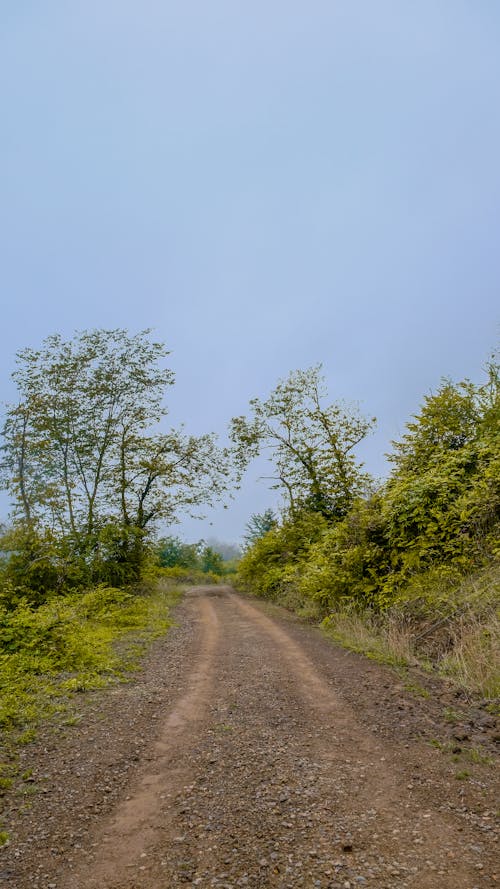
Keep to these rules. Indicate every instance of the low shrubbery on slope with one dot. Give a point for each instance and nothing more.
(69, 644)
(413, 565)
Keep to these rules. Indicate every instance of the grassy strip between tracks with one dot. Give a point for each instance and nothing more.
(70, 645)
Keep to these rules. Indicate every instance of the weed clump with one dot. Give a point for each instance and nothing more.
(69, 645)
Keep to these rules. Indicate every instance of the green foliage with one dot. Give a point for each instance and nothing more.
(230, 552)
(422, 551)
(272, 565)
(442, 502)
(68, 645)
(191, 576)
(88, 470)
(350, 559)
(192, 559)
(171, 552)
(439, 510)
(258, 525)
(310, 444)
(211, 561)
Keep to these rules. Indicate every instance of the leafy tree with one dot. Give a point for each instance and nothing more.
(448, 421)
(77, 399)
(258, 525)
(230, 552)
(350, 560)
(173, 553)
(311, 444)
(272, 565)
(211, 562)
(83, 457)
(436, 518)
(443, 497)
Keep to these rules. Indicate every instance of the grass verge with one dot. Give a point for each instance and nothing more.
(469, 656)
(71, 645)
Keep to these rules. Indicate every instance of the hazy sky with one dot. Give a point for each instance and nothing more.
(267, 184)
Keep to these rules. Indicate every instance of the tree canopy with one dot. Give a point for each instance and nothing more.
(85, 456)
(310, 444)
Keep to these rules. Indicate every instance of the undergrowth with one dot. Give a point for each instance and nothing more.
(187, 575)
(71, 644)
(455, 632)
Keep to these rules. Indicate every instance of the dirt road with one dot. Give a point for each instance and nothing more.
(252, 752)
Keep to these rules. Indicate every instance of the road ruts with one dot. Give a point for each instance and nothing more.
(263, 776)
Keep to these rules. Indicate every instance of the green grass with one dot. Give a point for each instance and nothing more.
(479, 756)
(71, 645)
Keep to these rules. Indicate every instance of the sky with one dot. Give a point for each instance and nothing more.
(267, 185)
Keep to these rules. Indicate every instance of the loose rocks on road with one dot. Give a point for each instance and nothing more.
(250, 752)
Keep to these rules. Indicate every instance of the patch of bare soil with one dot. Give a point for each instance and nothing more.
(252, 752)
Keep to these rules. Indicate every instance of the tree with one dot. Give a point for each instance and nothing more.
(448, 421)
(83, 456)
(174, 553)
(311, 444)
(211, 561)
(442, 500)
(258, 525)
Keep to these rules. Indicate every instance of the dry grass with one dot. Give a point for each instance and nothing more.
(466, 649)
(389, 642)
(474, 659)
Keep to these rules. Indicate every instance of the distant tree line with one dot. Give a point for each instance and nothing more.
(172, 552)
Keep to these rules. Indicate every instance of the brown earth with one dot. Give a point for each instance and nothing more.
(252, 752)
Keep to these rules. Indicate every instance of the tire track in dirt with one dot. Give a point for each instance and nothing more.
(262, 776)
(136, 820)
(381, 786)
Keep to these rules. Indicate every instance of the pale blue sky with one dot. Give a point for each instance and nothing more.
(268, 185)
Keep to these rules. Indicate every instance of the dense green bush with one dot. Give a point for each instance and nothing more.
(67, 644)
(435, 520)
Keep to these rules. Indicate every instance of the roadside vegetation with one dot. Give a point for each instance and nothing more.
(195, 563)
(69, 645)
(407, 570)
(91, 472)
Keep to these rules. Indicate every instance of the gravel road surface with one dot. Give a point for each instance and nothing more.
(251, 752)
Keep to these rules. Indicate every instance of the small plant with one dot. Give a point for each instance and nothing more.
(26, 737)
(479, 756)
(4, 837)
(416, 689)
(463, 775)
(75, 719)
(443, 746)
